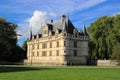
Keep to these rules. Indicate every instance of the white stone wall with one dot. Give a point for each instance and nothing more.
(66, 53)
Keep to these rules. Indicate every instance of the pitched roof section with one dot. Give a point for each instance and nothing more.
(63, 25)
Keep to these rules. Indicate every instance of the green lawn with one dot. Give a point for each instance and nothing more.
(59, 73)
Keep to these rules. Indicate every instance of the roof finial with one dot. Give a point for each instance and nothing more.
(84, 21)
(31, 33)
(84, 27)
(85, 30)
(68, 14)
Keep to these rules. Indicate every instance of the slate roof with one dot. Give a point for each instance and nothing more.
(64, 24)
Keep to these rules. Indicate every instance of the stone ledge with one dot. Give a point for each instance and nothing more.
(107, 63)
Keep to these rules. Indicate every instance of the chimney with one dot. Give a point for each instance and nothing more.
(51, 21)
(63, 18)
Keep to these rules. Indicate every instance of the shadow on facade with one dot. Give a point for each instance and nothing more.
(92, 62)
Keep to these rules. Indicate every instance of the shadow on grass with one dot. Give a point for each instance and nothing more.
(4, 69)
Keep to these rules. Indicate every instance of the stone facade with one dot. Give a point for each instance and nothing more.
(58, 43)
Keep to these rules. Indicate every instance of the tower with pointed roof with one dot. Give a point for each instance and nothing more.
(58, 43)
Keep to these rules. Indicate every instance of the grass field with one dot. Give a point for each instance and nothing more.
(59, 73)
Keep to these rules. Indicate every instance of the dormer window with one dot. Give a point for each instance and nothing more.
(45, 31)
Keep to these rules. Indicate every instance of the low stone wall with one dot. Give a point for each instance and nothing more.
(107, 63)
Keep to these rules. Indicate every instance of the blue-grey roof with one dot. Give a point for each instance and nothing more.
(64, 24)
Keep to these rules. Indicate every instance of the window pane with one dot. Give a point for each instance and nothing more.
(50, 53)
(57, 44)
(50, 45)
(75, 43)
(64, 43)
(75, 52)
(37, 53)
(57, 53)
(44, 53)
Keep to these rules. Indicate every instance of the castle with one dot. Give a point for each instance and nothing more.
(58, 43)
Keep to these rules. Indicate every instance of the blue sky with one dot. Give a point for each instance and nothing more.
(35, 13)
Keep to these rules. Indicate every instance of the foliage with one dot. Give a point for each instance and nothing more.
(116, 52)
(61, 73)
(8, 41)
(104, 34)
(24, 47)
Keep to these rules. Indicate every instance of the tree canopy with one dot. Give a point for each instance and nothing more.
(9, 50)
(104, 35)
(116, 52)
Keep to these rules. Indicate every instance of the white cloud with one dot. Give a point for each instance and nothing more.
(50, 8)
(114, 14)
(39, 19)
(118, 13)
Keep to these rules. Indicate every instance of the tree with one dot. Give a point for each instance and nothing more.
(24, 47)
(8, 38)
(116, 52)
(104, 34)
(9, 50)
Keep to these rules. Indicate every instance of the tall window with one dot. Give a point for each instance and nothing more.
(50, 45)
(38, 46)
(33, 54)
(57, 44)
(57, 53)
(50, 54)
(44, 53)
(37, 54)
(75, 43)
(75, 53)
(44, 45)
(64, 43)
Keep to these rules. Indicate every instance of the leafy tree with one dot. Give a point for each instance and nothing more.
(116, 52)
(8, 38)
(9, 50)
(24, 47)
(104, 34)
